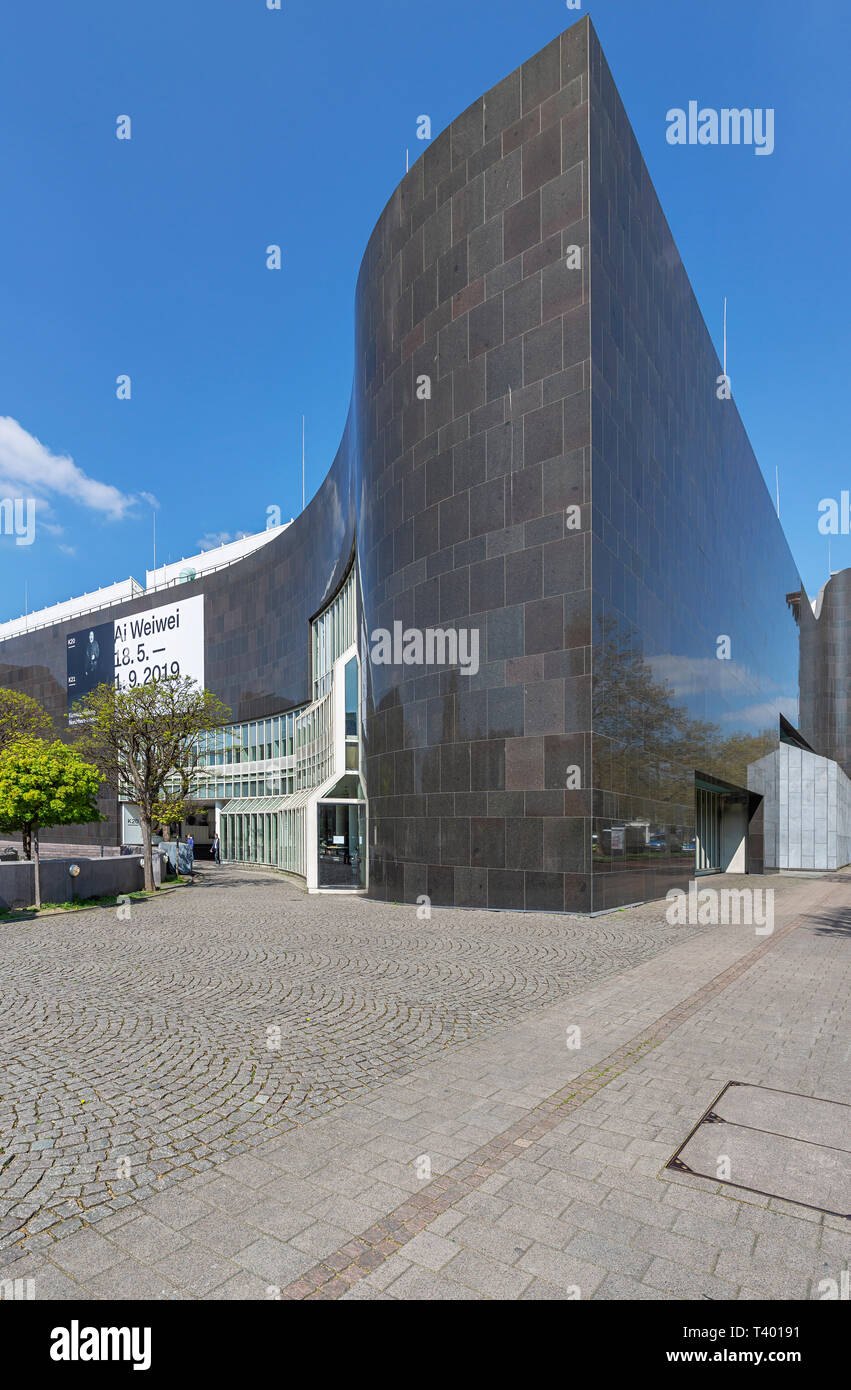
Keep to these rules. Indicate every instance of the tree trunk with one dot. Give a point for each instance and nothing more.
(26, 840)
(36, 874)
(147, 855)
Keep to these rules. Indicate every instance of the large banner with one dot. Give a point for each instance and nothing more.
(138, 650)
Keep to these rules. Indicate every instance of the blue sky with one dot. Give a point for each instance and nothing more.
(252, 127)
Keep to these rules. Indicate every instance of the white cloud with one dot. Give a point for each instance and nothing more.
(46, 518)
(214, 539)
(764, 714)
(691, 675)
(695, 675)
(29, 469)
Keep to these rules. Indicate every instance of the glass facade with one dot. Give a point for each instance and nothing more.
(315, 742)
(341, 837)
(302, 754)
(253, 759)
(334, 631)
(266, 830)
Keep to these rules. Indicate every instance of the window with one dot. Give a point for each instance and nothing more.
(352, 698)
(333, 632)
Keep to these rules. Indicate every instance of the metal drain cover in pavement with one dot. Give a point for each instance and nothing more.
(775, 1143)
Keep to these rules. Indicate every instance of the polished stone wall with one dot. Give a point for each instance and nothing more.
(256, 624)
(464, 515)
(689, 560)
(461, 502)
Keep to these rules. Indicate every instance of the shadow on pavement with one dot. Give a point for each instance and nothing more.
(836, 923)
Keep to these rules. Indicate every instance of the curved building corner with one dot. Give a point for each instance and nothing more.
(481, 667)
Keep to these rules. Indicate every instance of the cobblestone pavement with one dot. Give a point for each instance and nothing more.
(507, 1166)
(134, 1054)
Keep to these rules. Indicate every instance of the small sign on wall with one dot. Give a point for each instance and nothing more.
(131, 827)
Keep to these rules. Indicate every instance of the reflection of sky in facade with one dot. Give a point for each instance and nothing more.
(724, 690)
(689, 561)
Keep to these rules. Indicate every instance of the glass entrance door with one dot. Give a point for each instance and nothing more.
(341, 842)
(708, 831)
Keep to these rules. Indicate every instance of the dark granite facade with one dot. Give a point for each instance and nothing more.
(464, 521)
(826, 670)
(687, 548)
(256, 626)
(487, 364)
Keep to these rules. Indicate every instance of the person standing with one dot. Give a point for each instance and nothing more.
(217, 849)
(92, 655)
(190, 845)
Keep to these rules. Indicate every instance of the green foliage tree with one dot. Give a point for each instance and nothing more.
(144, 741)
(21, 717)
(45, 784)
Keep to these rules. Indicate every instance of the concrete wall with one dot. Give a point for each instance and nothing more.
(807, 806)
(98, 878)
(763, 777)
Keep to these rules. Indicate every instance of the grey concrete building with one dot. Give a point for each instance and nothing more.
(807, 809)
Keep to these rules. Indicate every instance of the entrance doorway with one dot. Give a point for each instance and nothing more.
(707, 831)
(728, 830)
(341, 841)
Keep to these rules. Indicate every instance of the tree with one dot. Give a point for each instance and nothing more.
(647, 744)
(45, 784)
(144, 740)
(21, 717)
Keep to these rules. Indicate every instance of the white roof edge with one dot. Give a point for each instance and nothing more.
(126, 589)
(219, 556)
(119, 592)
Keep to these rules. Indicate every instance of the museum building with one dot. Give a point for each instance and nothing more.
(535, 643)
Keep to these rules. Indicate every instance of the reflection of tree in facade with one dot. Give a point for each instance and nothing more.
(652, 746)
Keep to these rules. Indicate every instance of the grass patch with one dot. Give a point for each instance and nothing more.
(26, 914)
